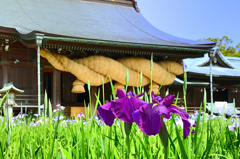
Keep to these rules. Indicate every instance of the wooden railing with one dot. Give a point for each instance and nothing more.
(179, 102)
(26, 99)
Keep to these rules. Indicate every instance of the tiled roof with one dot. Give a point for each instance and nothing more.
(227, 67)
(87, 20)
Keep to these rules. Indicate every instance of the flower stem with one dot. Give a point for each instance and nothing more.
(128, 144)
(127, 129)
(165, 152)
(163, 134)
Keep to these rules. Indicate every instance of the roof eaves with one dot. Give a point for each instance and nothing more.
(124, 44)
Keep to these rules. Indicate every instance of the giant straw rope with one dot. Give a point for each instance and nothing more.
(97, 68)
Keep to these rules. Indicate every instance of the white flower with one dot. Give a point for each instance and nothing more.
(55, 110)
(191, 121)
(62, 107)
(42, 106)
(80, 115)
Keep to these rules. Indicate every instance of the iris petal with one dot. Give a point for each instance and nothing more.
(153, 96)
(105, 113)
(136, 116)
(140, 95)
(184, 113)
(149, 118)
(137, 103)
(186, 123)
(123, 109)
(120, 93)
(167, 101)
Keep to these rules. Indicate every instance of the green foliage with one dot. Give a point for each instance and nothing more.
(224, 46)
(91, 139)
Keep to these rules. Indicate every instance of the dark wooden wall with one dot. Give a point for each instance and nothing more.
(18, 65)
(234, 95)
(194, 95)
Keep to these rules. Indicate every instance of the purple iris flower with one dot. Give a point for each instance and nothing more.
(122, 108)
(37, 115)
(149, 117)
(81, 115)
(42, 106)
(235, 116)
(233, 126)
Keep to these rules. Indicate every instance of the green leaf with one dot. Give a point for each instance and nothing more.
(151, 67)
(45, 106)
(113, 92)
(164, 80)
(143, 146)
(195, 148)
(90, 100)
(103, 94)
(180, 142)
(1, 152)
(127, 80)
(176, 99)
(224, 45)
(3, 98)
(173, 146)
(50, 110)
(66, 153)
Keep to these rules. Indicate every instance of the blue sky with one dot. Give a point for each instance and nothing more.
(194, 19)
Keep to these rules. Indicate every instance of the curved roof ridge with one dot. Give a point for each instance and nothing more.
(220, 56)
(206, 60)
(225, 60)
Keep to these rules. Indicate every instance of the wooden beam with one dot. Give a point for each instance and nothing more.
(56, 87)
(17, 64)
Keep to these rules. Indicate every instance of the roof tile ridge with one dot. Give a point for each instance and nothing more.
(221, 56)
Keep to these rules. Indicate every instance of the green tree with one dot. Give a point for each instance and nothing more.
(224, 46)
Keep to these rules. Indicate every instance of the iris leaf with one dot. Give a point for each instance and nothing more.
(113, 92)
(143, 146)
(180, 141)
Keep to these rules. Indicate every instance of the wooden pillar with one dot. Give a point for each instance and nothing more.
(163, 91)
(4, 68)
(56, 87)
(130, 88)
(194, 90)
(93, 97)
(230, 98)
